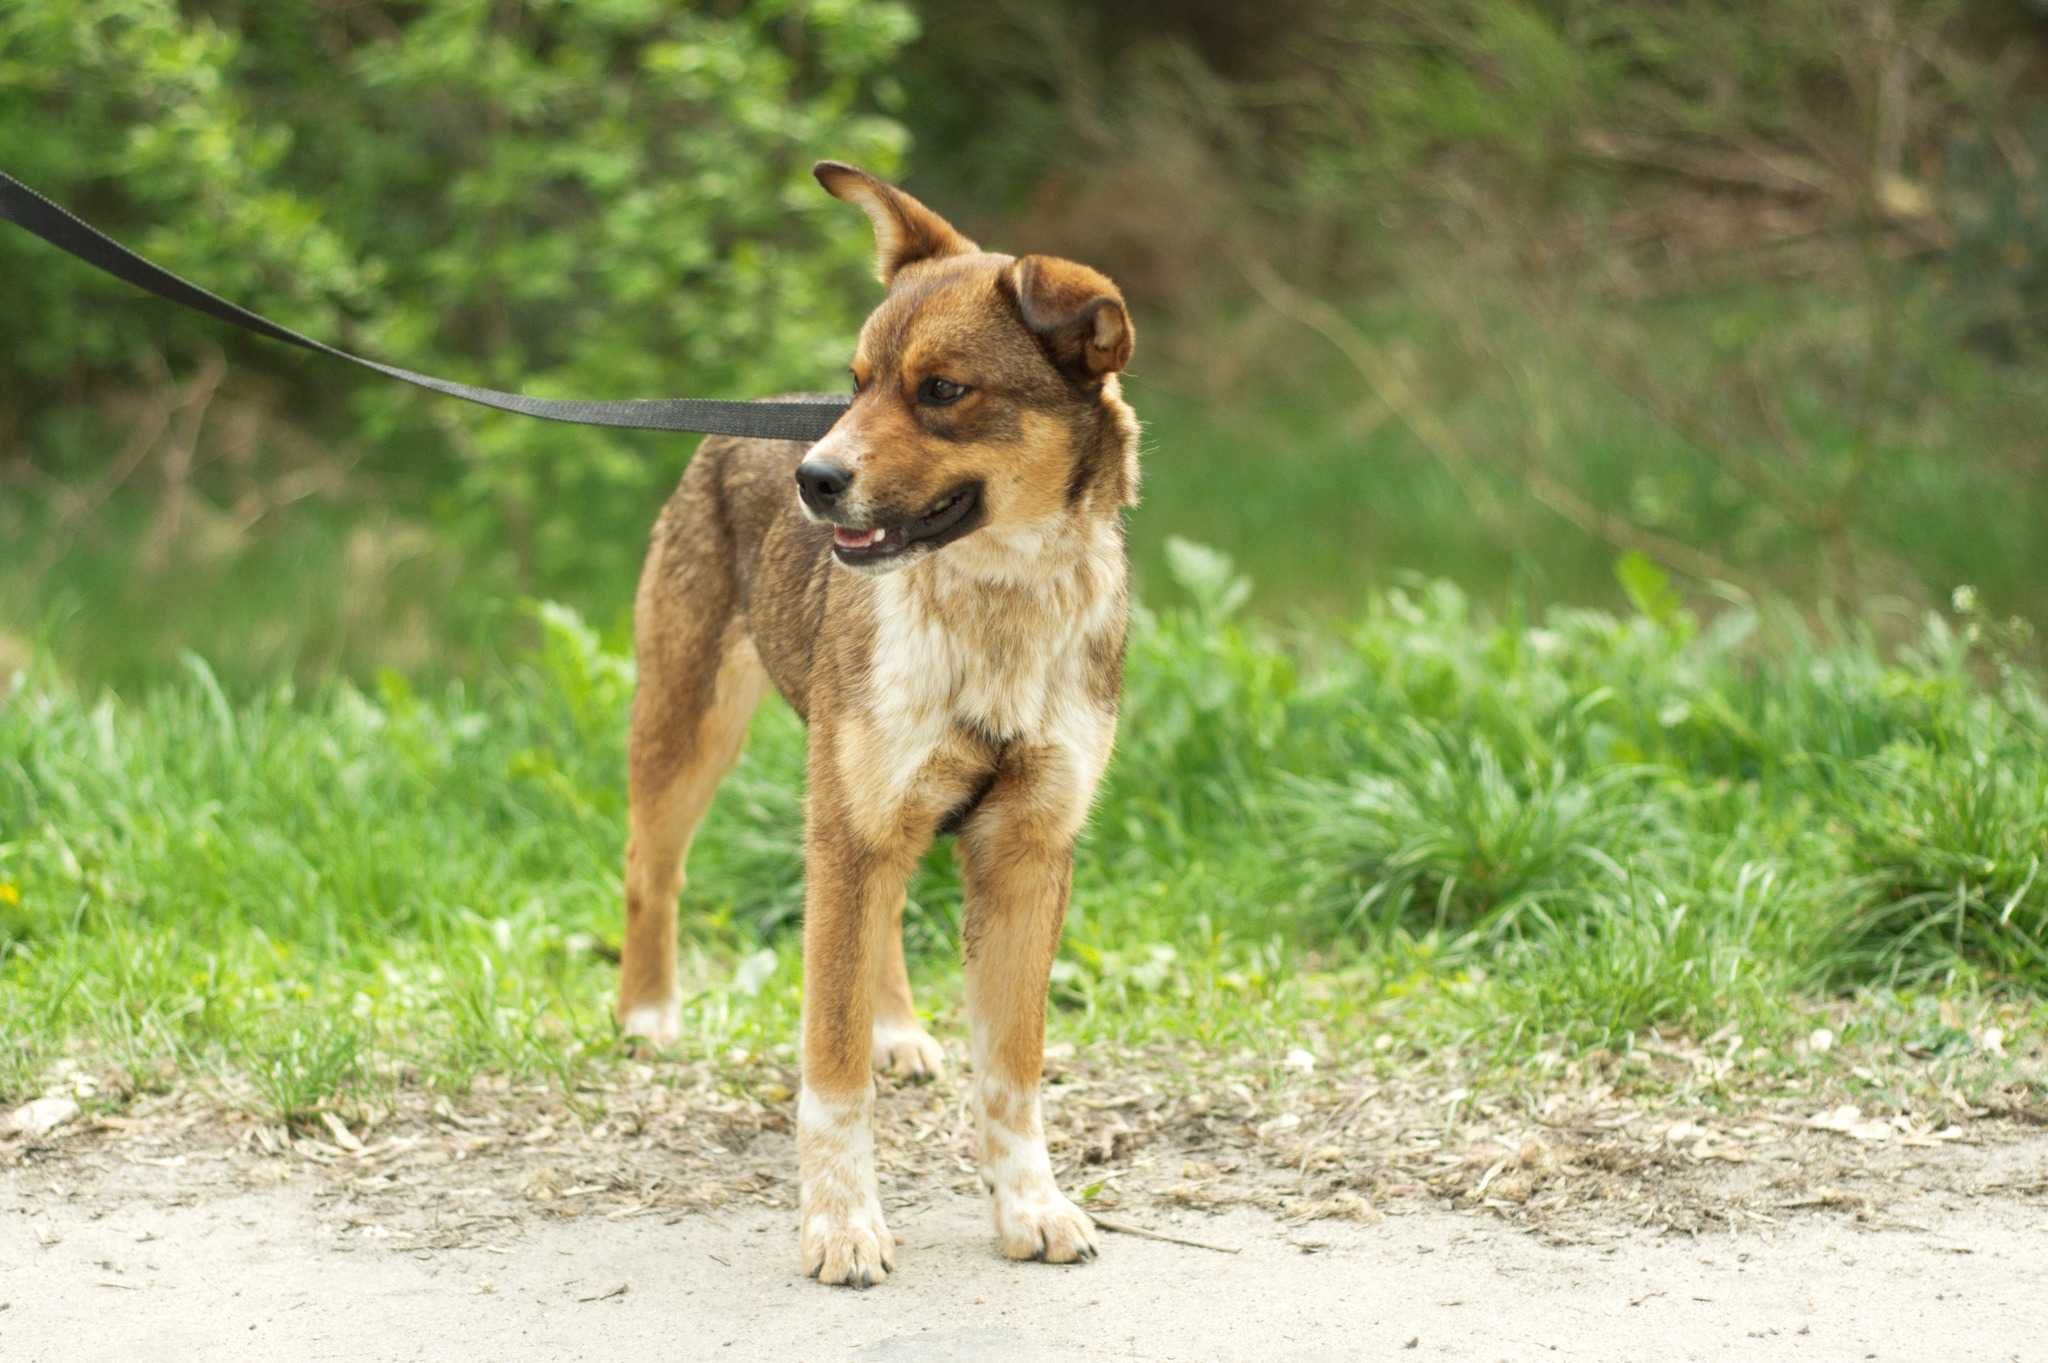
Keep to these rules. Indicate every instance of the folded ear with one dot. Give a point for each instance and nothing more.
(1077, 314)
(905, 230)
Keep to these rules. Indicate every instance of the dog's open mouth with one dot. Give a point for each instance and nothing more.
(951, 517)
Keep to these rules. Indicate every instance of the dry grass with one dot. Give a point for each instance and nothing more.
(1678, 1139)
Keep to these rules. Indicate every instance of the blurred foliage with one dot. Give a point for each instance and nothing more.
(572, 199)
(1754, 292)
(1999, 187)
(1316, 131)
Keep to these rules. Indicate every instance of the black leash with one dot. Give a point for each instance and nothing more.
(783, 419)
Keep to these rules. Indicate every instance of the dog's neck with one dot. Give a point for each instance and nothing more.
(1004, 644)
(1006, 652)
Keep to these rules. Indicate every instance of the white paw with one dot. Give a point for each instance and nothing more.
(853, 1250)
(843, 1237)
(907, 1052)
(656, 1025)
(1043, 1225)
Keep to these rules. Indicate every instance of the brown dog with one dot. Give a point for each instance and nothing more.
(938, 587)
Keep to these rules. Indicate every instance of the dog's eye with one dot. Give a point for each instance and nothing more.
(938, 392)
(855, 376)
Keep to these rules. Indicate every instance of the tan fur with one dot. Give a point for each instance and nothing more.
(965, 683)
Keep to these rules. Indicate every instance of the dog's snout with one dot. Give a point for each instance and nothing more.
(821, 483)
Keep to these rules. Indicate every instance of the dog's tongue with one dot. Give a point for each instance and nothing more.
(856, 539)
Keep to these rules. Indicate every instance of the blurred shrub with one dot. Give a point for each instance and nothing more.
(1318, 132)
(571, 199)
(1998, 190)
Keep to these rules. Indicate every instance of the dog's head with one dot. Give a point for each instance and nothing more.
(985, 393)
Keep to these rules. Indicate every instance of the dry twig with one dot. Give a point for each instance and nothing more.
(1142, 1233)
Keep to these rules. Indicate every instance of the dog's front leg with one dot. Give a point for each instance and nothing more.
(1017, 884)
(849, 891)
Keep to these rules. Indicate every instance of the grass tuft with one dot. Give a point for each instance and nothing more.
(1529, 834)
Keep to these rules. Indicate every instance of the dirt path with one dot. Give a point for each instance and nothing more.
(1342, 1213)
(266, 1274)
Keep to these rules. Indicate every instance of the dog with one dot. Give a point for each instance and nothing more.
(939, 586)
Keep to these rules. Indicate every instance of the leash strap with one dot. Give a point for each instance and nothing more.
(781, 419)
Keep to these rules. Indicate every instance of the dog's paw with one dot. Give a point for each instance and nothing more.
(907, 1052)
(652, 1027)
(855, 1251)
(1044, 1225)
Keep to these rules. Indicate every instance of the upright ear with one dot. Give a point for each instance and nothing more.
(905, 230)
(1076, 313)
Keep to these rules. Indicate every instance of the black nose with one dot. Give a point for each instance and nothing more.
(821, 483)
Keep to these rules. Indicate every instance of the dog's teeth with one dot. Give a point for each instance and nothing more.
(858, 539)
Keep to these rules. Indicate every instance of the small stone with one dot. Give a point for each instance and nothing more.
(42, 1116)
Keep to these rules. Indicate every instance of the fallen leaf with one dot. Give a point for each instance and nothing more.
(343, 1137)
(1848, 1120)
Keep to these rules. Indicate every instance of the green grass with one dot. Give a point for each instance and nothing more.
(1514, 835)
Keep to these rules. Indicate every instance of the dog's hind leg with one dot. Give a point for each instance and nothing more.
(900, 1045)
(699, 682)
(681, 748)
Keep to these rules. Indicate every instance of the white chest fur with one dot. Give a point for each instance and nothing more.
(998, 640)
